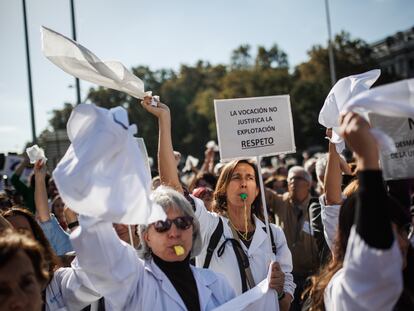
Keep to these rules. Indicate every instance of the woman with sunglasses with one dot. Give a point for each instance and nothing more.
(159, 277)
(241, 250)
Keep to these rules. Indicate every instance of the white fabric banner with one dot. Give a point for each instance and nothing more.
(103, 173)
(257, 126)
(79, 62)
(345, 89)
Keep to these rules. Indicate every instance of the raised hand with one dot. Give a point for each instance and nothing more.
(158, 111)
(356, 132)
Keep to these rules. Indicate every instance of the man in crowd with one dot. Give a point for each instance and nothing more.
(298, 214)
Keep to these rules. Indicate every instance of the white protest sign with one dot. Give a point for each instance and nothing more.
(399, 164)
(10, 164)
(257, 126)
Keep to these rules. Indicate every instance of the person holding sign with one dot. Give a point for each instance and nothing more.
(234, 244)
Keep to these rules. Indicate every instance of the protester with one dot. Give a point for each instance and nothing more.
(205, 194)
(162, 278)
(54, 232)
(22, 220)
(298, 213)
(356, 277)
(27, 192)
(242, 238)
(22, 272)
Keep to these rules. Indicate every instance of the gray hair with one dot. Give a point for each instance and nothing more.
(168, 198)
(299, 171)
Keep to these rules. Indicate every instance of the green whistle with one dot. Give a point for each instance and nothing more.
(243, 196)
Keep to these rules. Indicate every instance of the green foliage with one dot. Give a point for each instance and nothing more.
(191, 91)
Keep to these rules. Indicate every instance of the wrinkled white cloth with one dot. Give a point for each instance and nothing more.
(257, 298)
(392, 100)
(190, 162)
(345, 89)
(103, 173)
(36, 153)
(79, 62)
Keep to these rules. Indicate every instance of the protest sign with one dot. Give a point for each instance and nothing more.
(398, 164)
(10, 164)
(257, 126)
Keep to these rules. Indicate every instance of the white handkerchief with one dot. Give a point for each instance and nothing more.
(36, 153)
(103, 173)
(79, 62)
(190, 162)
(340, 93)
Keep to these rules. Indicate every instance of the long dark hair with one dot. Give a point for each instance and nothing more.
(319, 282)
(220, 195)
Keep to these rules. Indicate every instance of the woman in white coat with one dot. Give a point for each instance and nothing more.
(243, 241)
(369, 251)
(161, 278)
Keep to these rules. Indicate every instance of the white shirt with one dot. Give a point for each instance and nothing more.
(370, 279)
(227, 263)
(330, 216)
(130, 283)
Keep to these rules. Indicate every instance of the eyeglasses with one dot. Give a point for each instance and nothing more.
(182, 223)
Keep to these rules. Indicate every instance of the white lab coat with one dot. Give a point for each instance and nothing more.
(370, 279)
(130, 283)
(69, 290)
(257, 252)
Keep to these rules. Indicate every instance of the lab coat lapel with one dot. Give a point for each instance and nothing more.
(203, 281)
(259, 236)
(166, 284)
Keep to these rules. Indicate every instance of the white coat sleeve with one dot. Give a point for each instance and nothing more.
(284, 258)
(330, 216)
(371, 279)
(112, 266)
(208, 221)
(70, 288)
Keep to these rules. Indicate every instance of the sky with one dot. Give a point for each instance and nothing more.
(165, 34)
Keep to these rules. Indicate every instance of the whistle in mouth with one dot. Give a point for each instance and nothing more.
(179, 250)
(243, 196)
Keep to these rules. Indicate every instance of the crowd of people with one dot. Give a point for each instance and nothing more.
(341, 238)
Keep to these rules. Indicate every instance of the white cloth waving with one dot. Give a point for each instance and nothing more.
(103, 173)
(345, 89)
(78, 61)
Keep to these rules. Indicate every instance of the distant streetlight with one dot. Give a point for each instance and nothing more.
(72, 9)
(29, 74)
(330, 47)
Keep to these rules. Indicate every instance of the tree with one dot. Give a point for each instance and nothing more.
(241, 58)
(60, 117)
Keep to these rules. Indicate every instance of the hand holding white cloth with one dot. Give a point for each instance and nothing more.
(345, 89)
(78, 61)
(103, 174)
(36, 153)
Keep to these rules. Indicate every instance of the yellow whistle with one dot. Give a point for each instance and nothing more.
(179, 250)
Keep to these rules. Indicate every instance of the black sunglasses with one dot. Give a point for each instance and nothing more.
(182, 223)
